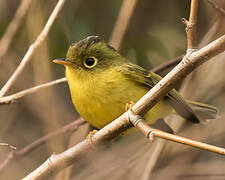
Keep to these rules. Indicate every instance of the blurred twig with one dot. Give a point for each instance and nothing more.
(218, 8)
(7, 160)
(13, 27)
(122, 22)
(12, 98)
(191, 61)
(150, 133)
(8, 145)
(71, 127)
(167, 65)
(32, 48)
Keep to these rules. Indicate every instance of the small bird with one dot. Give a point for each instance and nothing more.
(102, 82)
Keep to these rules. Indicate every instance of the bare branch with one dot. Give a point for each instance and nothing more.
(122, 22)
(12, 98)
(8, 159)
(191, 61)
(13, 27)
(69, 127)
(32, 48)
(150, 133)
(16, 154)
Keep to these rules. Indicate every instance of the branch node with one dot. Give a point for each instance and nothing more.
(150, 135)
(133, 118)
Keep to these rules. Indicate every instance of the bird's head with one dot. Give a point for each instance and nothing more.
(91, 55)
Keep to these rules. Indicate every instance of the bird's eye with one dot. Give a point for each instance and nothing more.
(90, 62)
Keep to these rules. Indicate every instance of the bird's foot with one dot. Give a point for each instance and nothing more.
(90, 135)
(129, 106)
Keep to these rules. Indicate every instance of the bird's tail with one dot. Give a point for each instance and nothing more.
(204, 111)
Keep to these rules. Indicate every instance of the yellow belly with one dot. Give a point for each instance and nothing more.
(102, 101)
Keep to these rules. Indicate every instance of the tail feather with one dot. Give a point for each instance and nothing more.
(204, 111)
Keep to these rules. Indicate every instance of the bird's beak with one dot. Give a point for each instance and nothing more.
(63, 62)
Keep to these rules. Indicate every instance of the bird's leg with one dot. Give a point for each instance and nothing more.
(91, 133)
(129, 106)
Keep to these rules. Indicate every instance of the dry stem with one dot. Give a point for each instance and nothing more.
(12, 98)
(150, 133)
(191, 26)
(16, 154)
(32, 48)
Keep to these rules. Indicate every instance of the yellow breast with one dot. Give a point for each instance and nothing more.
(102, 99)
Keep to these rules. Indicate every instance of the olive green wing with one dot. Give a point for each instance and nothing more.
(150, 79)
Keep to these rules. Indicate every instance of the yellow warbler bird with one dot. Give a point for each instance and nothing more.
(102, 82)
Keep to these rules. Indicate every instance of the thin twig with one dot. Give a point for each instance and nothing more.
(71, 127)
(13, 27)
(7, 160)
(8, 145)
(191, 26)
(191, 61)
(16, 154)
(150, 133)
(167, 65)
(218, 8)
(122, 22)
(12, 98)
(32, 48)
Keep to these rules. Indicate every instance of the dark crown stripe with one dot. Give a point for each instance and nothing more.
(88, 41)
(93, 39)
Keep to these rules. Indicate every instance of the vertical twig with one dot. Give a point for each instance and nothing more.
(122, 22)
(191, 26)
(32, 48)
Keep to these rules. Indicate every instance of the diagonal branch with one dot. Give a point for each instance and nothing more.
(35, 45)
(16, 154)
(191, 61)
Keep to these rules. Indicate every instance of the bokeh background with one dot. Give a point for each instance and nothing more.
(155, 34)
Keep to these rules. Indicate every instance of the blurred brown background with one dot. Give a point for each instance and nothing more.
(155, 34)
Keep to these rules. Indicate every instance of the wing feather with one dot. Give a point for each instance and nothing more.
(150, 79)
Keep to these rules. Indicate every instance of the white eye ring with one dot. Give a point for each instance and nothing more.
(90, 62)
